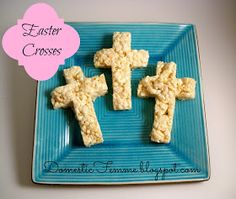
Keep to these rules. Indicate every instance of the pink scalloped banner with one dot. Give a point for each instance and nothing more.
(41, 41)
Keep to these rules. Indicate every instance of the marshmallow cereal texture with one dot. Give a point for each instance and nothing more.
(165, 88)
(121, 59)
(79, 94)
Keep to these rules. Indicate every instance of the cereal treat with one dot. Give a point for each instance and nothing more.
(79, 93)
(165, 87)
(121, 59)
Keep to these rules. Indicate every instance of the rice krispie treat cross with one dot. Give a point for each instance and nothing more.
(165, 87)
(121, 59)
(79, 93)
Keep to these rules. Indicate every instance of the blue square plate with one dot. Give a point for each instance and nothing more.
(127, 155)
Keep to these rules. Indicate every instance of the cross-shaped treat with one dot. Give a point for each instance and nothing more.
(165, 87)
(79, 93)
(121, 59)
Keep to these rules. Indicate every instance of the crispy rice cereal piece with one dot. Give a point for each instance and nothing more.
(165, 87)
(121, 59)
(79, 93)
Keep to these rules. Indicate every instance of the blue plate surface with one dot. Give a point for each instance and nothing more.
(127, 154)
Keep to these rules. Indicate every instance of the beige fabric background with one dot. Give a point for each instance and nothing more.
(216, 26)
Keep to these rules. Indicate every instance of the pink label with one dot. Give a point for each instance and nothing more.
(41, 41)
